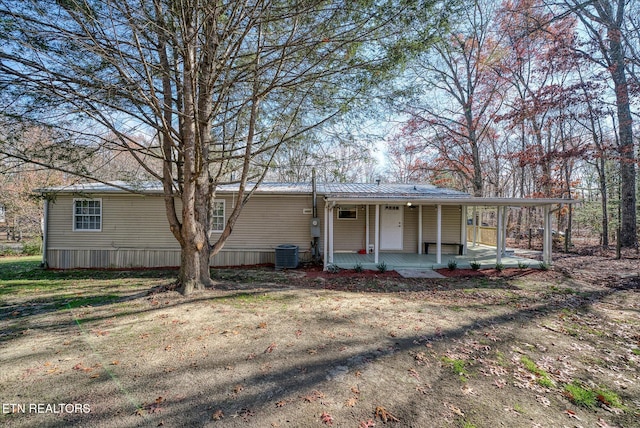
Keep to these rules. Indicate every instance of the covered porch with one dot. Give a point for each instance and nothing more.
(486, 256)
(413, 230)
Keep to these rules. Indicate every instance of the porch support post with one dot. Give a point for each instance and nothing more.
(419, 229)
(547, 241)
(463, 228)
(366, 229)
(439, 236)
(475, 225)
(326, 236)
(504, 230)
(376, 252)
(499, 237)
(331, 234)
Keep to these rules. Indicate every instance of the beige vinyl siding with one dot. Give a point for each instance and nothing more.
(349, 234)
(410, 230)
(135, 232)
(128, 221)
(451, 223)
(270, 220)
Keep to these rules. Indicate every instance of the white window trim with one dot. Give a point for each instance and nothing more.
(73, 217)
(224, 216)
(354, 207)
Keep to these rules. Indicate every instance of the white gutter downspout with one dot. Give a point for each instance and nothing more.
(45, 230)
(326, 236)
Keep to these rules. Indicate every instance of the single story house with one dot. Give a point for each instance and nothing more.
(103, 226)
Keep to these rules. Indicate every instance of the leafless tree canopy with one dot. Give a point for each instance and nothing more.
(197, 92)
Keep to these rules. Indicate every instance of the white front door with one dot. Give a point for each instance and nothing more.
(391, 223)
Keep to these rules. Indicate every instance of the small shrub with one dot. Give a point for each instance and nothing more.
(499, 267)
(452, 265)
(522, 265)
(475, 265)
(7, 252)
(358, 267)
(32, 248)
(543, 266)
(382, 267)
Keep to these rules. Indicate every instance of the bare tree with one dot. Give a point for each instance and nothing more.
(461, 95)
(206, 90)
(606, 22)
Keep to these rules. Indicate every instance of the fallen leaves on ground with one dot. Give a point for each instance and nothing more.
(282, 403)
(454, 409)
(217, 415)
(326, 418)
(384, 415)
(351, 402)
(572, 414)
(245, 414)
(314, 396)
(154, 407)
(414, 373)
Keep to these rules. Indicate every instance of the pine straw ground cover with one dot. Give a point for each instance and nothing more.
(518, 348)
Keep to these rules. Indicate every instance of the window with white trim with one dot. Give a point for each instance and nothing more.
(87, 215)
(217, 216)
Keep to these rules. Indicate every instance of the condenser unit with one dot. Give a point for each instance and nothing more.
(286, 256)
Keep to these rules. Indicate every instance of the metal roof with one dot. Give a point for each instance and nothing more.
(327, 189)
(387, 191)
(355, 193)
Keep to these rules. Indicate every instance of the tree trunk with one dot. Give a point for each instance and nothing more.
(602, 181)
(628, 234)
(194, 267)
(194, 271)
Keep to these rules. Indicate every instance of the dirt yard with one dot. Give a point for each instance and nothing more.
(518, 348)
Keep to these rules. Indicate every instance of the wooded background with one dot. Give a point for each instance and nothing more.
(525, 98)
